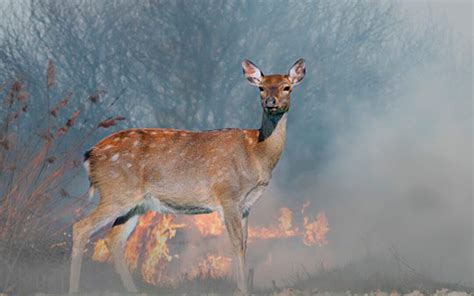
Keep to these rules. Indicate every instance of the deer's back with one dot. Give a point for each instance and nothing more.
(173, 164)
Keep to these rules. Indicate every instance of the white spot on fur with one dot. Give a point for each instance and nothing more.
(129, 165)
(115, 157)
(135, 143)
(108, 147)
(132, 132)
(116, 139)
(153, 133)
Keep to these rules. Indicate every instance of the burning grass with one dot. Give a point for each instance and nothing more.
(154, 250)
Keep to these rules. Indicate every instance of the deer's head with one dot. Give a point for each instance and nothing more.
(275, 89)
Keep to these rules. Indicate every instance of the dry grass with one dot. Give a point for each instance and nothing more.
(40, 155)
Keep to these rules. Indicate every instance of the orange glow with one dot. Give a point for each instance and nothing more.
(281, 230)
(137, 239)
(101, 252)
(213, 266)
(315, 232)
(148, 248)
(208, 225)
(157, 253)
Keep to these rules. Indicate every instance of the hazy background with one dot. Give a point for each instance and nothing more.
(380, 131)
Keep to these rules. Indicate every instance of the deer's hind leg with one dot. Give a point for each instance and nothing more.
(116, 241)
(82, 230)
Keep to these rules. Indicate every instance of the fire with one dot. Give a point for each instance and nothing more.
(282, 230)
(151, 235)
(101, 251)
(157, 253)
(212, 267)
(208, 224)
(136, 240)
(148, 248)
(315, 232)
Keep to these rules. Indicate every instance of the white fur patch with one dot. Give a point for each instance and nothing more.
(115, 157)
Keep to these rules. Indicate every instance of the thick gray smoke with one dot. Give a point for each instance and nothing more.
(399, 182)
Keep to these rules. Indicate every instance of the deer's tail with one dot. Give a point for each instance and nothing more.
(87, 166)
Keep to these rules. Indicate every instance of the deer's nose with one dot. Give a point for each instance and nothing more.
(270, 102)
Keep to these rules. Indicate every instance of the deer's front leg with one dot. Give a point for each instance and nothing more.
(245, 233)
(234, 224)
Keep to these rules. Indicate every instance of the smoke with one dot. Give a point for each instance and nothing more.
(399, 181)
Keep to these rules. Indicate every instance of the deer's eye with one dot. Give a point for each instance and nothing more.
(286, 88)
(261, 88)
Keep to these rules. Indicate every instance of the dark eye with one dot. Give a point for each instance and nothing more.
(287, 88)
(260, 88)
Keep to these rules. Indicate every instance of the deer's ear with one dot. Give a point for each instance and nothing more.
(297, 71)
(252, 72)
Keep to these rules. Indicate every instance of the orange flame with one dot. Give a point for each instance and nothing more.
(315, 232)
(208, 225)
(101, 251)
(157, 253)
(282, 230)
(136, 240)
(212, 267)
(147, 248)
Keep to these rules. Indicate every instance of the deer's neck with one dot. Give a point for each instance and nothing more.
(271, 137)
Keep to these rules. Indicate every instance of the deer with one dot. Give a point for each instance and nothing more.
(186, 172)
